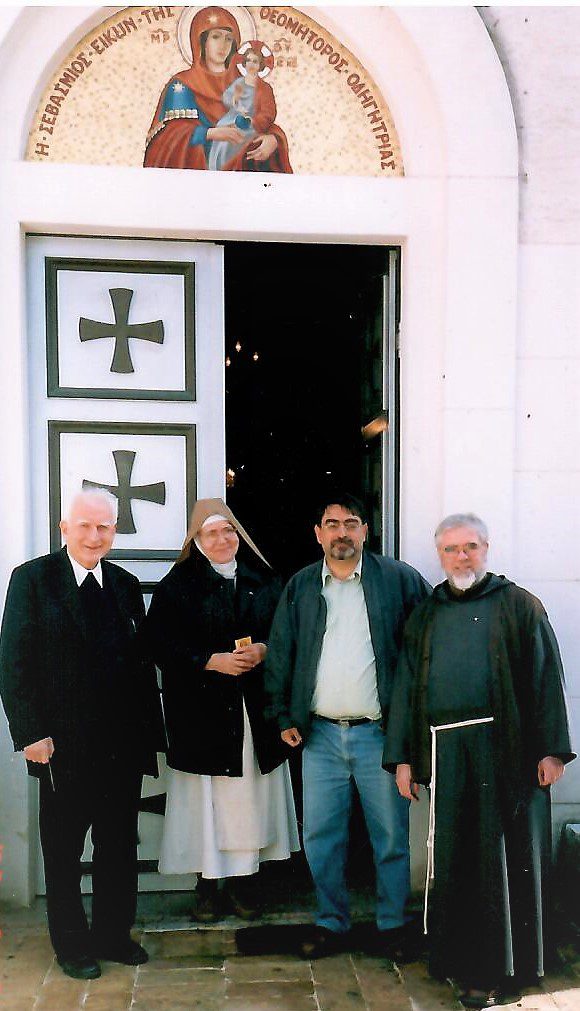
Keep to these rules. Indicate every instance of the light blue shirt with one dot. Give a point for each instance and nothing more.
(346, 679)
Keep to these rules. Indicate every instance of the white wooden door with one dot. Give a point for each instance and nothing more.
(126, 390)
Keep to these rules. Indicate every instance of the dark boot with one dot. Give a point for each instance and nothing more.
(242, 896)
(207, 906)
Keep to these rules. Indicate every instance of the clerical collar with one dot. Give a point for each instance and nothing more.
(355, 574)
(81, 573)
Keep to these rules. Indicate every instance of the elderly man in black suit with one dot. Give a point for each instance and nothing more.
(84, 707)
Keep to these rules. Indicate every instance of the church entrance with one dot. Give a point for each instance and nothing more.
(167, 371)
(311, 405)
(311, 380)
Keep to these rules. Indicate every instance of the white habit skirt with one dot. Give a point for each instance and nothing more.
(224, 826)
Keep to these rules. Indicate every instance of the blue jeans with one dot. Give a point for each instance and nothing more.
(335, 759)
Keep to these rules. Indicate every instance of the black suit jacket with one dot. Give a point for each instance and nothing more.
(48, 683)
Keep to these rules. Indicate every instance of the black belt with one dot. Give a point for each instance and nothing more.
(346, 721)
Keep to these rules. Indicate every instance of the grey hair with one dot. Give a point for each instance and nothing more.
(95, 494)
(462, 520)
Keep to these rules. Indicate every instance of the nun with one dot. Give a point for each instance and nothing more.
(229, 796)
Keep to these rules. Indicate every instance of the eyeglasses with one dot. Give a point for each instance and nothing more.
(348, 524)
(466, 549)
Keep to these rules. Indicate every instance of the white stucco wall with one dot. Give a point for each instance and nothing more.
(540, 50)
(477, 289)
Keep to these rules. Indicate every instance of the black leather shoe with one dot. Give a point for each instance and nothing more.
(401, 944)
(525, 981)
(242, 898)
(473, 998)
(207, 902)
(127, 952)
(82, 967)
(321, 943)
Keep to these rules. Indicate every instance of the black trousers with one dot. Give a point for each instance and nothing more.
(106, 803)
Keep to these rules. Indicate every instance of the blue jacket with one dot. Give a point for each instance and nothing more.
(392, 589)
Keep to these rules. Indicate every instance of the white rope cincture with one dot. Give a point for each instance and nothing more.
(430, 875)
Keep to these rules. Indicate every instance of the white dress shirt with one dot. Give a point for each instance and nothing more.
(346, 679)
(81, 573)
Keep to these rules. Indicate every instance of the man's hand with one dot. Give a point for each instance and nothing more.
(405, 785)
(291, 737)
(229, 663)
(549, 770)
(265, 147)
(40, 751)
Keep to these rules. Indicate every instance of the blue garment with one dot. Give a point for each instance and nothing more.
(335, 759)
(240, 110)
(392, 589)
(179, 98)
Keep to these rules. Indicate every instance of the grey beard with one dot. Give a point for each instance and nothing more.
(463, 583)
(342, 551)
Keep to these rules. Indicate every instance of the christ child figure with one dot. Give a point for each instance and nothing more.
(250, 104)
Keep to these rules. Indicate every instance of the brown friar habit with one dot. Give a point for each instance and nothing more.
(488, 652)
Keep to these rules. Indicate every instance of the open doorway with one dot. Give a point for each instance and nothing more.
(310, 360)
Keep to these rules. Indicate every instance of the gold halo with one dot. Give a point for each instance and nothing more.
(242, 15)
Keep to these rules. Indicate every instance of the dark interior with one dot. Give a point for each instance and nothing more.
(306, 377)
(303, 346)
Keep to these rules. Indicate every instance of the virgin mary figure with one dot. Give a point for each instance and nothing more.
(185, 123)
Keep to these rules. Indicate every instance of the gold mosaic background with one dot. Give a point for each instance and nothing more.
(104, 117)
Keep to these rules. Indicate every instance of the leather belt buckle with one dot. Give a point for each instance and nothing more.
(344, 723)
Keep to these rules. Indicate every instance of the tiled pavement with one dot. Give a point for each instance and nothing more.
(203, 969)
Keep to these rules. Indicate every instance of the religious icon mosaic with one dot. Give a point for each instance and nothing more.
(248, 89)
(120, 329)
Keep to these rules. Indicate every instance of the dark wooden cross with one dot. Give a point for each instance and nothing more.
(125, 493)
(121, 330)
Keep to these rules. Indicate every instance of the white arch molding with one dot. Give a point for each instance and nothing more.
(454, 214)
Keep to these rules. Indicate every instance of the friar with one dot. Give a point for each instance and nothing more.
(478, 712)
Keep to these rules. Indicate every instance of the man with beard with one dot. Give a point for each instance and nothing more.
(478, 712)
(331, 658)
